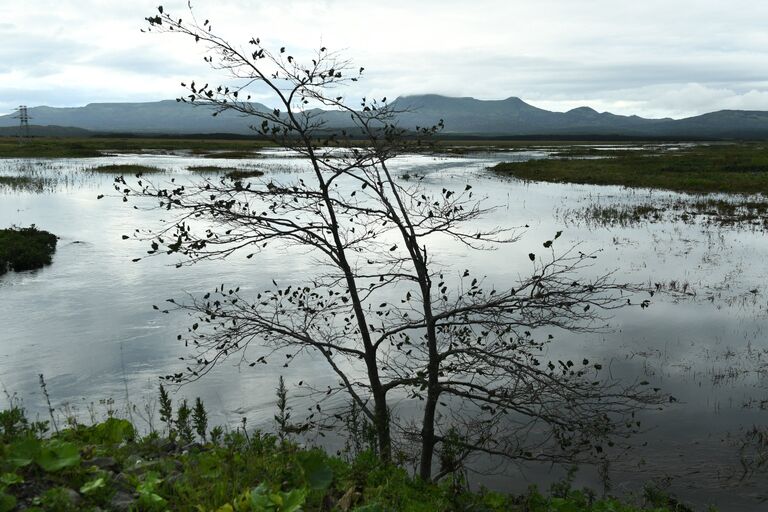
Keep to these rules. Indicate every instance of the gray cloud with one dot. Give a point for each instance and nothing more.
(651, 58)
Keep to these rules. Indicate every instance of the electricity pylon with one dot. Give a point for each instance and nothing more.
(23, 116)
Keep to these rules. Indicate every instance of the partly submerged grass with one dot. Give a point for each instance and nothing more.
(234, 173)
(22, 183)
(738, 213)
(232, 155)
(125, 169)
(207, 169)
(729, 168)
(25, 248)
(15, 180)
(239, 174)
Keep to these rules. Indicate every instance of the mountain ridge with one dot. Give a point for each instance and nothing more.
(462, 115)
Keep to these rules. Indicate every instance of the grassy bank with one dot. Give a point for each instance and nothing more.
(25, 248)
(108, 466)
(728, 168)
(50, 147)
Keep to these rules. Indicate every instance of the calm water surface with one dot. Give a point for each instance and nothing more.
(87, 323)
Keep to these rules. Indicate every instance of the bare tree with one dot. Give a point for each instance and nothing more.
(466, 356)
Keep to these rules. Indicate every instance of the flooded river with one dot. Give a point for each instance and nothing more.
(87, 324)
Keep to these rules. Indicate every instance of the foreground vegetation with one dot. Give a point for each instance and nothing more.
(728, 168)
(25, 248)
(108, 466)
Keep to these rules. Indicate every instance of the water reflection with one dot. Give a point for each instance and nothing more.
(87, 322)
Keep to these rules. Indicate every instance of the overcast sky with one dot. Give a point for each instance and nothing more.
(652, 58)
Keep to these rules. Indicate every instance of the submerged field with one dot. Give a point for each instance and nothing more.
(704, 168)
(97, 339)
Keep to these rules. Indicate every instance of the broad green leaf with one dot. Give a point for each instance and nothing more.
(23, 452)
(92, 485)
(260, 498)
(318, 475)
(11, 479)
(151, 501)
(293, 500)
(114, 431)
(149, 482)
(56, 456)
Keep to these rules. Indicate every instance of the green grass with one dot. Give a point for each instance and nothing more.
(230, 172)
(47, 148)
(206, 169)
(125, 169)
(52, 147)
(25, 248)
(240, 174)
(727, 168)
(593, 152)
(97, 467)
(232, 155)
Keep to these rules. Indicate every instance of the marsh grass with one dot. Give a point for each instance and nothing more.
(47, 148)
(25, 183)
(736, 213)
(125, 169)
(234, 173)
(16, 181)
(596, 152)
(55, 147)
(210, 169)
(232, 155)
(725, 168)
(239, 174)
(25, 248)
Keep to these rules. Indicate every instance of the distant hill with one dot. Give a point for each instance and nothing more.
(513, 116)
(167, 116)
(463, 116)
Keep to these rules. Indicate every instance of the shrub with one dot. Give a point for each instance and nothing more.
(25, 248)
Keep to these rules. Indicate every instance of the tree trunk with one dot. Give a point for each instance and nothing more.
(381, 411)
(430, 408)
(381, 414)
(428, 436)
